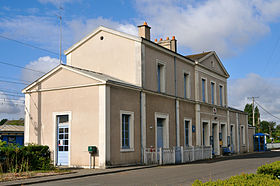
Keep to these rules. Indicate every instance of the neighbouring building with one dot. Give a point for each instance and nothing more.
(12, 133)
(124, 94)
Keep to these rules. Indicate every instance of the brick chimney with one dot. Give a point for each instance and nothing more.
(169, 44)
(144, 31)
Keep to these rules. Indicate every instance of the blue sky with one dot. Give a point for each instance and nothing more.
(244, 33)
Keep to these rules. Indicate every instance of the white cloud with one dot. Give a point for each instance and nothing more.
(43, 64)
(44, 31)
(224, 26)
(56, 2)
(11, 107)
(267, 89)
(80, 28)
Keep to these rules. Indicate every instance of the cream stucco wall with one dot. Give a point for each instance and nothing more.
(79, 102)
(114, 55)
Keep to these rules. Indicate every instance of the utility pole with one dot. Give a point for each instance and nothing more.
(253, 108)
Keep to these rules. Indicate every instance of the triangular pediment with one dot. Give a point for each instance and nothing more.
(211, 61)
(63, 76)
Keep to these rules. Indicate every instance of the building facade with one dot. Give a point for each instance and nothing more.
(123, 94)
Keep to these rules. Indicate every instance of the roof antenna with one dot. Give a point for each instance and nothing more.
(60, 31)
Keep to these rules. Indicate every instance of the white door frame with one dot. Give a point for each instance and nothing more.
(165, 129)
(55, 132)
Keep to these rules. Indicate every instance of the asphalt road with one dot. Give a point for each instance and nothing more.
(179, 174)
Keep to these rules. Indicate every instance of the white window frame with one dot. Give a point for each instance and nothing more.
(186, 84)
(223, 95)
(215, 92)
(131, 131)
(190, 132)
(205, 88)
(207, 141)
(224, 135)
(162, 75)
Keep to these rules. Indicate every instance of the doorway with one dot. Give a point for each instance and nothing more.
(63, 140)
(215, 137)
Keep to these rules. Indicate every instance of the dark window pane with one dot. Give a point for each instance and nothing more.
(65, 148)
(61, 130)
(66, 130)
(66, 136)
(60, 136)
(63, 118)
(60, 148)
(65, 142)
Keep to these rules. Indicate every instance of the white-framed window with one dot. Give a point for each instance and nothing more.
(187, 132)
(221, 94)
(186, 85)
(204, 89)
(160, 76)
(126, 130)
(213, 92)
(242, 135)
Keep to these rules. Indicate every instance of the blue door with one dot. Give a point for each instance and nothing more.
(63, 144)
(159, 133)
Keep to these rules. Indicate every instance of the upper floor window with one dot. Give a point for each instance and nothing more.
(203, 83)
(186, 85)
(221, 95)
(213, 96)
(127, 128)
(161, 77)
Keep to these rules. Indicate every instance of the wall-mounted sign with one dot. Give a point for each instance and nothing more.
(193, 128)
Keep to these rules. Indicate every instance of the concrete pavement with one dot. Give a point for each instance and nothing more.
(219, 168)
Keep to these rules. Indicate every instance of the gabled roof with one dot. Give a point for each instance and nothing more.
(96, 31)
(103, 78)
(197, 56)
(11, 128)
(204, 55)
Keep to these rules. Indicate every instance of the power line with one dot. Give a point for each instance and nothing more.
(12, 95)
(10, 92)
(10, 78)
(29, 45)
(14, 82)
(17, 66)
(267, 111)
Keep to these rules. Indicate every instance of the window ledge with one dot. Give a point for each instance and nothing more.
(127, 150)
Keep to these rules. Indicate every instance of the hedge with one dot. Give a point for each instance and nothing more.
(24, 158)
(270, 169)
(244, 179)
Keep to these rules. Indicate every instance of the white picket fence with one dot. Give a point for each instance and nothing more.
(176, 155)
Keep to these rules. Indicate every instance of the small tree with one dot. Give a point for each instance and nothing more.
(3, 121)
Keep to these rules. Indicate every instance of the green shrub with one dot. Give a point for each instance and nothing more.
(270, 169)
(244, 179)
(24, 158)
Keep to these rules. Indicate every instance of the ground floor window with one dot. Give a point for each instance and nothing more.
(127, 130)
(188, 132)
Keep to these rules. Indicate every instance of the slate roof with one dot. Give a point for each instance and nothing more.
(197, 56)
